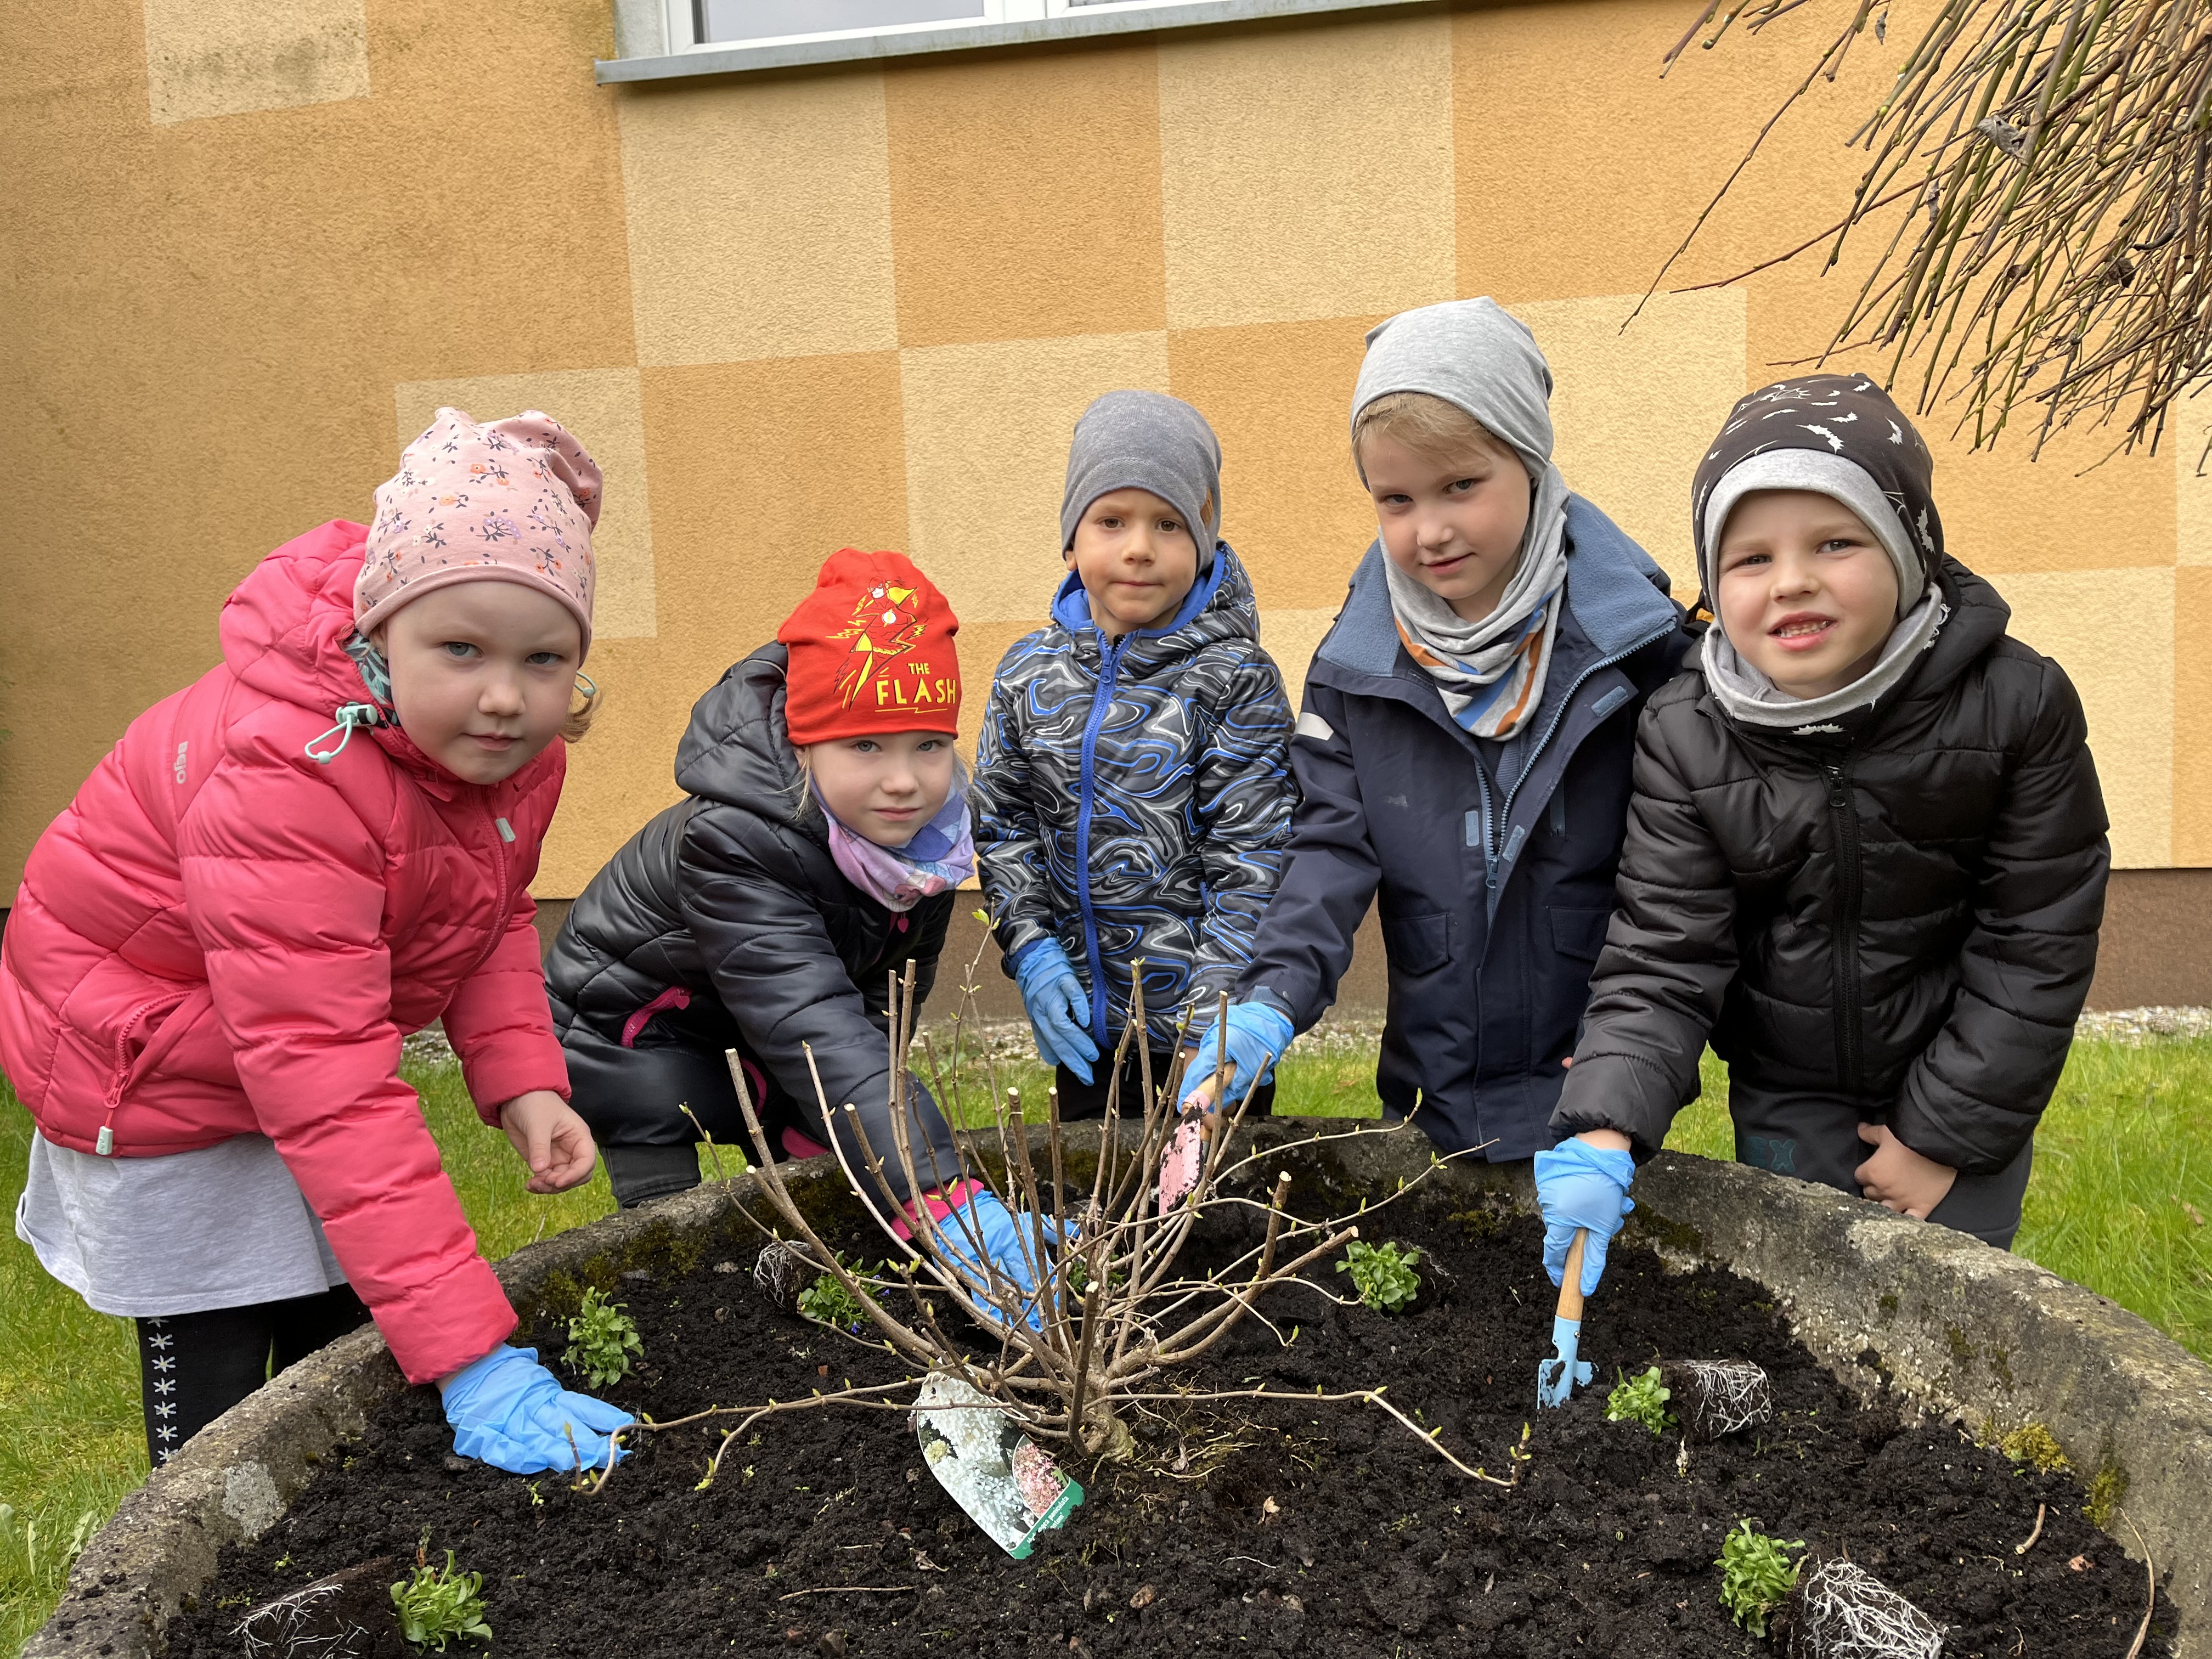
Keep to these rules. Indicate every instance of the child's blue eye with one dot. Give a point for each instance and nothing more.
(544, 658)
(459, 647)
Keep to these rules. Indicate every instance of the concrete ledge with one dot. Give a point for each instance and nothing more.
(1971, 1333)
(1963, 1330)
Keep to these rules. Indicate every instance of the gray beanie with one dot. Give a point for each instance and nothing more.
(1145, 441)
(1475, 353)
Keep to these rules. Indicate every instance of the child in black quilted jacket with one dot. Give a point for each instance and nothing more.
(1866, 856)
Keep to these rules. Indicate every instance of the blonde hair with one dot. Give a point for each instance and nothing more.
(1428, 425)
(580, 718)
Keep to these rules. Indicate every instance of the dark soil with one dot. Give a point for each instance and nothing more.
(1327, 1530)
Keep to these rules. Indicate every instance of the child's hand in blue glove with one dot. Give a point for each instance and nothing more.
(1258, 1033)
(1581, 1186)
(1059, 1011)
(510, 1412)
(978, 1217)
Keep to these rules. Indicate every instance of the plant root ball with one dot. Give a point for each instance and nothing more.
(347, 1616)
(782, 1272)
(1841, 1611)
(1717, 1397)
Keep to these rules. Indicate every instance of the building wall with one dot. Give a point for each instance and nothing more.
(251, 246)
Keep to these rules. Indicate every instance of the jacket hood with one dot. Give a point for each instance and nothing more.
(1220, 608)
(1980, 618)
(737, 751)
(283, 633)
(284, 630)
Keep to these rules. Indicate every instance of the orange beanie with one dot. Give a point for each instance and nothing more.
(872, 652)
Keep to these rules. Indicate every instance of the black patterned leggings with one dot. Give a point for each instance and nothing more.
(194, 1367)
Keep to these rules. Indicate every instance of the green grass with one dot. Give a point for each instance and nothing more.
(2121, 1193)
(2120, 1200)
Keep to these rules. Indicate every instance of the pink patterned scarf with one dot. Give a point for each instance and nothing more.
(941, 855)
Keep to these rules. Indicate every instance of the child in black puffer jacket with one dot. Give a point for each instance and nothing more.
(816, 855)
(1866, 855)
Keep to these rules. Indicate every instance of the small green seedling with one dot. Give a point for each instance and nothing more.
(1757, 1575)
(1640, 1399)
(1078, 1278)
(827, 1302)
(1382, 1274)
(601, 1339)
(436, 1604)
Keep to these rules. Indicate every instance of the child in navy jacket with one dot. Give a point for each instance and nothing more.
(1464, 748)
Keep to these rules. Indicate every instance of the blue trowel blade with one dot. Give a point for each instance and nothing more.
(1556, 1377)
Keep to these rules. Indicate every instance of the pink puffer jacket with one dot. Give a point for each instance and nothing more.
(220, 936)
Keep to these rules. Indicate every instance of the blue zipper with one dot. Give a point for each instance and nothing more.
(1109, 654)
(1490, 853)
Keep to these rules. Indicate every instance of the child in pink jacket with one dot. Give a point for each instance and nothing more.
(323, 844)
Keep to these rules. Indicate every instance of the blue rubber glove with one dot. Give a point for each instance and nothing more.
(1258, 1033)
(509, 1411)
(995, 1227)
(1059, 1011)
(1582, 1186)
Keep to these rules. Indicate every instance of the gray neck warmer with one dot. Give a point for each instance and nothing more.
(1748, 696)
(1146, 440)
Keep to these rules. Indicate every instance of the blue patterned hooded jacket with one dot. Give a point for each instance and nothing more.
(1134, 800)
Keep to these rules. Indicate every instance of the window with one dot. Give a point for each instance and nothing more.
(722, 22)
(695, 24)
(659, 39)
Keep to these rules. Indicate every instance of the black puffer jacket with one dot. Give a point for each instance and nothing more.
(1902, 912)
(726, 923)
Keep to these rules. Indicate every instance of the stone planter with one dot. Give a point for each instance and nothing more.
(1963, 1330)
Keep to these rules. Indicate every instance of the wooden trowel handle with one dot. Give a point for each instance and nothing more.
(1571, 1287)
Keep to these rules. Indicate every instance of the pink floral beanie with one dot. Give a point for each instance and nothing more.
(508, 501)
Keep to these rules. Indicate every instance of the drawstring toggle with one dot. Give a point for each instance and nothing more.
(349, 716)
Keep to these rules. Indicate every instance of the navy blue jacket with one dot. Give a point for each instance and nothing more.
(1493, 861)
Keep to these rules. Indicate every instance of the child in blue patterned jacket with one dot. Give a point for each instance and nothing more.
(1133, 790)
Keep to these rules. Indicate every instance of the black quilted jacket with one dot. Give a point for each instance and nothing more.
(732, 896)
(1903, 912)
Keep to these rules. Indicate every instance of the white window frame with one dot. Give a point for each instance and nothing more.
(655, 41)
(677, 19)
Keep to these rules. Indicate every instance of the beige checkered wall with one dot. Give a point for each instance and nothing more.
(865, 307)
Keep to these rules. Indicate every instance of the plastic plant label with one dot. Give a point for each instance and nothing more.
(1008, 1484)
(1184, 1158)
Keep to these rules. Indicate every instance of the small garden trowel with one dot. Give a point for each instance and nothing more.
(1556, 1378)
(1008, 1484)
